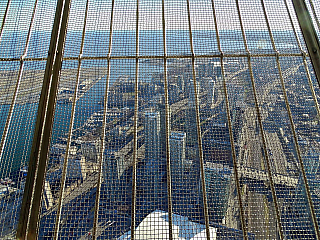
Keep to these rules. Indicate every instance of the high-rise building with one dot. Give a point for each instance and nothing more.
(152, 136)
(111, 177)
(153, 161)
(163, 128)
(217, 179)
(178, 159)
(211, 92)
(47, 196)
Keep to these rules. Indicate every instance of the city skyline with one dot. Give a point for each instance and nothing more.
(210, 130)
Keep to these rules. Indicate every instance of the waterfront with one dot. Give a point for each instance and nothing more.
(117, 164)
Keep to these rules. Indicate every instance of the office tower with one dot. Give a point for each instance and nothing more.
(111, 177)
(217, 178)
(179, 79)
(191, 90)
(217, 71)
(75, 170)
(211, 92)
(311, 163)
(163, 126)
(177, 159)
(153, 170)
(201, 70)
(89, 150)
(190, 119)
(152, 136)
(47, 196)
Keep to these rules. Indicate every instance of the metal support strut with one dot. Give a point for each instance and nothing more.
(309, 34)
(30, 208)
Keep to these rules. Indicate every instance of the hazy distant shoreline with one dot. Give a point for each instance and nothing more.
(32, 80)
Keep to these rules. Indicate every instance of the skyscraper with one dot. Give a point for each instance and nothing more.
(178, 159)
(218, 188)
(153, 171)
(163, 126)
(211, 92)
(152, 136)
(111, 177)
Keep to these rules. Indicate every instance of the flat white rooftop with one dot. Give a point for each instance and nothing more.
(156, 226)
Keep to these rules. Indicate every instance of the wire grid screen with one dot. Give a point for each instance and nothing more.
(182, 137)
(22, 27)
(313, 8)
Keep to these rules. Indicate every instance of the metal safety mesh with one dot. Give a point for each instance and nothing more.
(193, 119)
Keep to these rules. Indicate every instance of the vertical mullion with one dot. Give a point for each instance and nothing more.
(311, 86)
(304, 61)
(167, 111)
(310, 203)
(4, 18)
(103, 133)
(29, 214)
(135, 130)
(314, 14)
(234, 156)
(204, 194)
(74, 101)
(309, 34)
(273, 192)
(16, 90)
